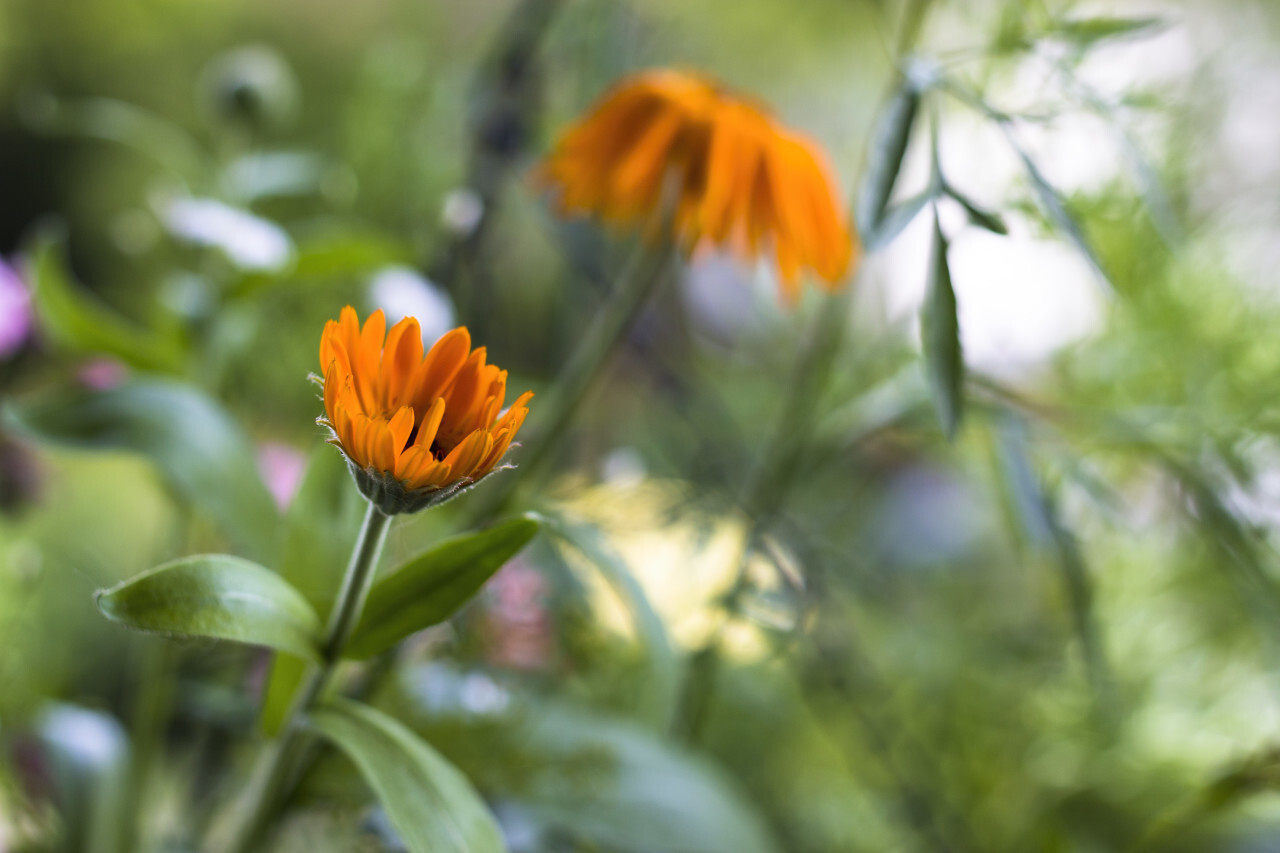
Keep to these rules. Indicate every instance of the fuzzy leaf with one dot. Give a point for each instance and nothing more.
(220, 597)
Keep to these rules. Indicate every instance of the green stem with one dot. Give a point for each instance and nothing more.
(764, 489)
(356, 583)
(275, 769)
(763, 493)
(641, 276)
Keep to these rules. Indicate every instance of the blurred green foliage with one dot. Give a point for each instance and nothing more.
(1056, 631)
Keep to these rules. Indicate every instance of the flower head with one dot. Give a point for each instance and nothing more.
(673, 144)
(415, 430)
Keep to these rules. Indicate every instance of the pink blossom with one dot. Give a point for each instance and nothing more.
(282, 467)
(517, 620)
(15, 311)
(102, 374)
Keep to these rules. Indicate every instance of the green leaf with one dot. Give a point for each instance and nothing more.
(896, 218)
(287, 672)
(431, 587)
(888, 146)
(1044, 529)
(600, 779)
(217, 596)
(979, 216)
(1054, 208)
(76, 320)
(431, 804)
(197, 446)
(643, 795)
(940, 334)
(660, 696)
(320, 532)
(1085, 32)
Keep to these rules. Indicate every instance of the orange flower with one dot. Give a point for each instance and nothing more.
(415, 430)
(676, 144)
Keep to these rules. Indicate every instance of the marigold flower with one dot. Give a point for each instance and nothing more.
(670, 143)
(415, 430)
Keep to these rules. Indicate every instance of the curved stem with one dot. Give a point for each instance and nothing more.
(275, 769)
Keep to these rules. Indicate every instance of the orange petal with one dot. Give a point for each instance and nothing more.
(441, 365)
(400, 358)
(430, 425)
(464, 458)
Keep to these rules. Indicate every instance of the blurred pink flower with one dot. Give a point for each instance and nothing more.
(102, 374)
(15, 311)
(517, 621)
(282, 467)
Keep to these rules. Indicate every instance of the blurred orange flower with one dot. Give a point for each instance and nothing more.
(415, 430)
(671, 143)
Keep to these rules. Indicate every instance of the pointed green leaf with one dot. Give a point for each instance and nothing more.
(1089, 31)
(1043, 527)
(431, 587)
(197, 446)
(888, 146)
(979, 216)
(896, 218)
(431, 804)
(1054, 208)
(220, 597)
(320, 532)
(75, 319)
(940, 334)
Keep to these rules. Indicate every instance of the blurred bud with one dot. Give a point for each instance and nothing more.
(102, 374)
(404, 292)
(251, 86)
(282, 467)
(15, 312)
(461, 213)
